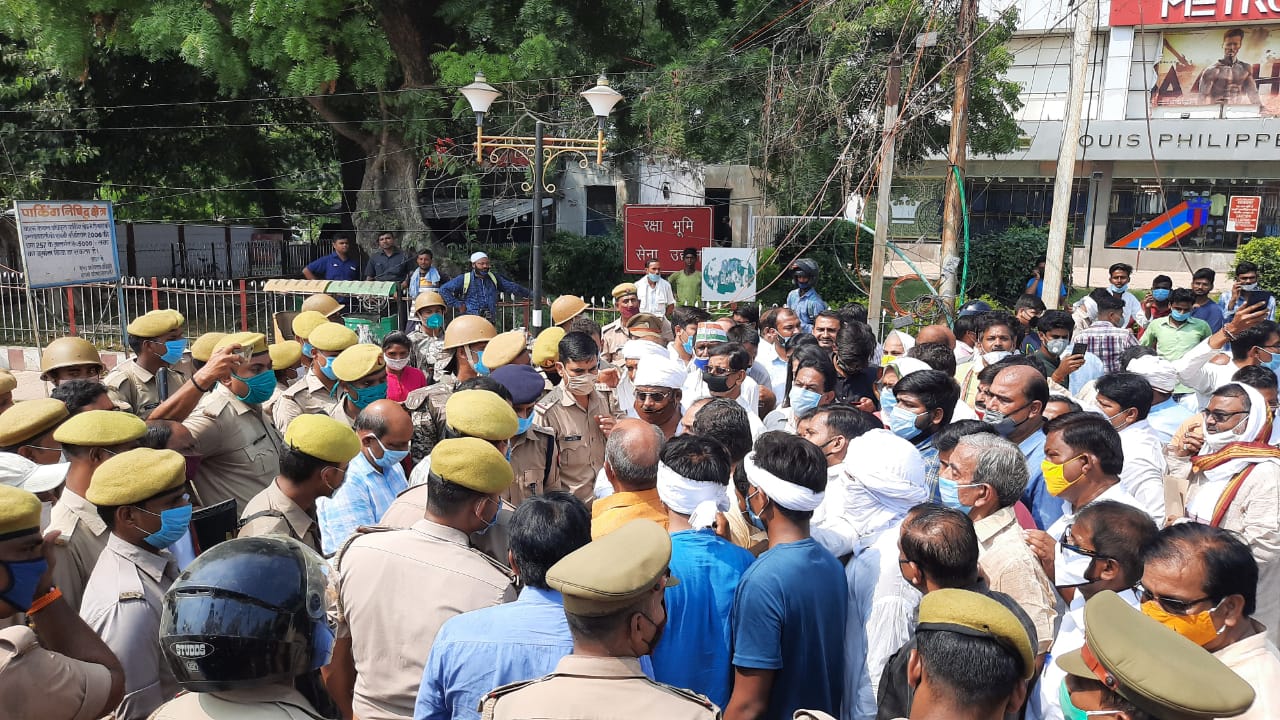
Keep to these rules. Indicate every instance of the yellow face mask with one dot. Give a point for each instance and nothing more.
(1055, 478)
(1198, 628)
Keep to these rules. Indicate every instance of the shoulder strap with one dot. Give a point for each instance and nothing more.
(466, 283)
(269, 512)
(360, 531)
(551, 455)
(487, 703)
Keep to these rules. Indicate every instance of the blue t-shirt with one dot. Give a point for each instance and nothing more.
(695, 651)
(789, 616)
(332, 267)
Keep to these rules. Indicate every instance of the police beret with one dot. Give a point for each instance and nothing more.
(8, 383)
(255, 343)
(522, 381)
(1152, 666)
(322, 437)
(100, 428)
(546, 349)
(19, 511)
(136, 475)
(305, 323)
(285, 354)
(504, 348)
(332, 337)
(608, 574)
(481, 414)
(202, 348)
(970, 613)
(155, 323)
(30, 419)
(622, 290)
(472, 463)
(644, 324)
(358, 361)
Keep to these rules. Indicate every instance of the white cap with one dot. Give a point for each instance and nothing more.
(14, 469)
(478, 256)
(46, 477)
(658, 371)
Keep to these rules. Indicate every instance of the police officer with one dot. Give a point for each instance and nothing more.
(240, 447)
(26, 429)
(286, 359)
(312, 465)
(546, 351)
(145, 505)
(508, 348)
(70, 358)
(384, 637)
(240, 625)
(464, 340)
(324, 304)
(202, 348)
(58, 669)
(613, 596)
(533, 448)
(614, 335)
(566, 308)
(305, 323)
(428, 311)
(315, 392)
(140, 384)
(362, 372)
(88, 440)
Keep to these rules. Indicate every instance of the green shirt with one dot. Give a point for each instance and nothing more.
(688, 287)
(1172, 342)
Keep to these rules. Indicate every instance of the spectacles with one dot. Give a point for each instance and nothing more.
(1169, 605)
(1221, 417)
(718, 371)
(655, 396)
(1064, 542)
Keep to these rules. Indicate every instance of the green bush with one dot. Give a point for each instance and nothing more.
(843, 254)
(1000, 264)
(586, 266)
(1265, 253)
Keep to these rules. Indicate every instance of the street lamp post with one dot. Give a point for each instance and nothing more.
(540, 151)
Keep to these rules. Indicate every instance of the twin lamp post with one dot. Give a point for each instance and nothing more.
(540, 151)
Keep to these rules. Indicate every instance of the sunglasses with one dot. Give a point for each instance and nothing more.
(1169, 605)
(646, 396)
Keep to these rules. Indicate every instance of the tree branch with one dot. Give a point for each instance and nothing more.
(344, 127)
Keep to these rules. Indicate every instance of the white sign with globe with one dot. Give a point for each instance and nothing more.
(729, 274)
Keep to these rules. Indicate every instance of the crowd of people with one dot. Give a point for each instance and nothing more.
(1040, 513)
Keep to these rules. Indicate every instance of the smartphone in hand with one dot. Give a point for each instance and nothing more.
(1079, 348)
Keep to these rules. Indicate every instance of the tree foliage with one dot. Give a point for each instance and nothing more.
(1265, 253)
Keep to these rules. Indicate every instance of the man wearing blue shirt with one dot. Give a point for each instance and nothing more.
(790, 611)
(1246, 291)
(805, 301)
(696, 650)
(476, 292)
(337, 265)
(478, 651)
(374, 477)
(1205, 308)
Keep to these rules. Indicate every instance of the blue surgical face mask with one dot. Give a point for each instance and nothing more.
(24, 578)
(887, 402)
(1161, 294)
(902, 422)
(479, 365)
(1273, 363)
(261, 386)
(523, 424)
(174, 523)
(1119, 290)
(700, 363)
(308, 349)
(436, 321)
(1180, 316)
(653, 277)
(326, 366)
(755, 519)
(688, 346)
(365, 397)
(803, 400)
(173, 350)
(490, 523)
(950, 491)
(390, 458)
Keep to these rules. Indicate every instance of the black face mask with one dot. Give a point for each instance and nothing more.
(716, 383)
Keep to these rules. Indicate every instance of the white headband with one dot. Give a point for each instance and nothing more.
(699, 500)
(787, 494)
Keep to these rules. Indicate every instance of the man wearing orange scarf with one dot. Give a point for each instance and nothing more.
(1233, 480)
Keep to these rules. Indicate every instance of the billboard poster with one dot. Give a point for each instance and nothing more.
(1125, 13)
(1237, 66)
(662, 232)
(729, 274)
(67, 242)
(1242, 213)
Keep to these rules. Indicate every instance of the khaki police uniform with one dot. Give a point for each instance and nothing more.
(410, 506)
(305, 396)
(271, 512)
(533, 459)
(122, 604)
(38, 683)
(426, 408)
(77, 549)
(578, 436)
(437, 576)
(581, 686)
(135, 389)
(269, 702)
(612, 337)
(241, 448)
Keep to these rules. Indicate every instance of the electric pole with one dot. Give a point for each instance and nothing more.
(878, 260)
(952, 213)
(1081, 45)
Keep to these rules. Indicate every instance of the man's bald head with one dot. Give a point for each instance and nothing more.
(631, 455)
(940, 334)
(384, 418)
(1022, 381)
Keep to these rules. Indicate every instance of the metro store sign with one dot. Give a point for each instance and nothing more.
(1126, 13)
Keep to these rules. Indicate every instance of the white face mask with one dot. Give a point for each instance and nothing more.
(46, 514)
(397, 364)
(1069, 568)
(1215, 441)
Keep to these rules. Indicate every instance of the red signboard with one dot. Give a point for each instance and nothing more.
(1242, 213)
(662, 232)
(1175, 12)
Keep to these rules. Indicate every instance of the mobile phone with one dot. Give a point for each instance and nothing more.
(1256, 296)
(1079, 348)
